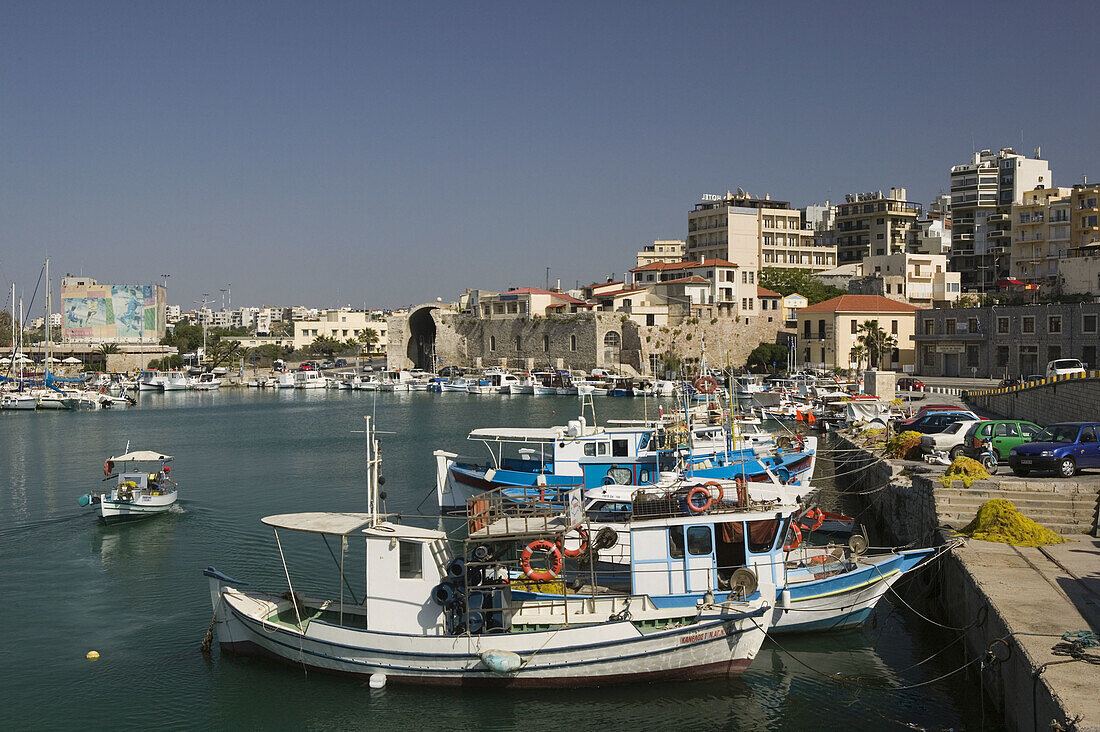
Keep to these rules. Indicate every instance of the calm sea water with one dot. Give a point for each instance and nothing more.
(136, 594)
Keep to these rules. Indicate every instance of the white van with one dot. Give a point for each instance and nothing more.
(1065, 367)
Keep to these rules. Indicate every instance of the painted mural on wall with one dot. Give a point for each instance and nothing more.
(113, 312)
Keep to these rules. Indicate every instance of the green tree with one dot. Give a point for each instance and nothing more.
(787, 281)
(876, 341)
(765, 355)
(284, 328)
(270, 352)
(368, 337)
(857, 356)
(185, 337)
(326, 345)
(5, 328)
(220, 350)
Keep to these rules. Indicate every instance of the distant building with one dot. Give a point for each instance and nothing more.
(342, 325)
(875, 224)
(528, 302)
(791, 305)
(1041, 236)
(661, 250)
(919, 279)
(99, 313)
(828, 331)
(754, 233)
(982, 193)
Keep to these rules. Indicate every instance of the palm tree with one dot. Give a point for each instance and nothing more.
(325, 345)
(856, 356)
(368, 337)
(876, 341)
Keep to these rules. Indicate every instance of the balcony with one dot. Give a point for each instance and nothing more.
(997, 218)
(999, 234)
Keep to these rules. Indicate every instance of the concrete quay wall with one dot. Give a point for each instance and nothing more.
(1007, 601)
(1066, 399)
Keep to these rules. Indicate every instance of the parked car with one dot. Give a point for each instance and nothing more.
(908, 383)
(1065, 367)
(305, 366)
(1031, 379)
(1006, 434)
(1065, 448)
(935, 422)
(926, 409)
(341, 362)
(949, 441)
(327, 365)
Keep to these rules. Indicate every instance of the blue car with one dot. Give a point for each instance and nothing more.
(1064, 448)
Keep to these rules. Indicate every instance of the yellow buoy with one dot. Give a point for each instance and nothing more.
(92, 655)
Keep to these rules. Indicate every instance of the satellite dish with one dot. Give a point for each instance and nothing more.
(744, 581)
(857, 543)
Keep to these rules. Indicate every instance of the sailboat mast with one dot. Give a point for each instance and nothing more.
(46, 328)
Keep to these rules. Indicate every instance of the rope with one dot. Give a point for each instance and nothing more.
(208, 639)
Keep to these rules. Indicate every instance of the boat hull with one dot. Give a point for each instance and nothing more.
(585, 655)
(117, 511)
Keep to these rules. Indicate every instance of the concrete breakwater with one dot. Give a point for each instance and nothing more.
(1011, 604)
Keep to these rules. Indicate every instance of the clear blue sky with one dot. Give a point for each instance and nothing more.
(331, 153)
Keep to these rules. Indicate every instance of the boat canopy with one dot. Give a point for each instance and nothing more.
(521, 434)
(345, 524)
(141, 456)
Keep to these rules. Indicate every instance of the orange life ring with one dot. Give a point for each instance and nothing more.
(712, 486)
(552, 553)
(706, 384)
(108, 467)
(814, 514)
(699, 490)
(582, 549)
(797, 539)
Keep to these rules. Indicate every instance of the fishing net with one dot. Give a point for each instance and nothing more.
(998, 520)
(965, 469)
(905, 446)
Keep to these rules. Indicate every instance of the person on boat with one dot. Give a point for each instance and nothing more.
(164, 475)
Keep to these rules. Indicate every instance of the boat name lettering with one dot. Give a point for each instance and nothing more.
(696, 637)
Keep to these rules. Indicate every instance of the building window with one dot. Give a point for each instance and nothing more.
(972, 325)
(972, 357)
(516, 343)
(806, 332)
(1002, 356)
(855, 327)
(1088, 323)
(894, 327)
(929, 356)
(492, 343)
(929, 327)
(649, 320)
(546, 343)
(1054, 324)
(1027, 325)
(821, 329)
(1002, 325)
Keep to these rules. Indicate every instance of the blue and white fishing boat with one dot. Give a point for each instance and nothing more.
(429, 616)
(143, 487)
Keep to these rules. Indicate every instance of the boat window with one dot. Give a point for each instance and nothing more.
(729, 548)
(676, 542)
(783, 531)
(621, 476)
(620, 448)
(601, 448)
(590, 449)
(762, 535)
(643, 476)
(410, 560)
(698, 540)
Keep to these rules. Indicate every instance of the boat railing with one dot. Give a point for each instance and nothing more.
(650, 503)
(494, 515)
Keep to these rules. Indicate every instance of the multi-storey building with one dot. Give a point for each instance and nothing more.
(919, 279)
(661, 250)
(1085, 216)
(1041, 235)
(341, 325)
(719, 279)
(875, 224)
(982, 193)
(754, 233)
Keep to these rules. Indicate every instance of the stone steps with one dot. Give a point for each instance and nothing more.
(1064, 513)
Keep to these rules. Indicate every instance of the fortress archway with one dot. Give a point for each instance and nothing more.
(421, 346)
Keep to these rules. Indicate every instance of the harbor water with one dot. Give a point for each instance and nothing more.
(135, 592)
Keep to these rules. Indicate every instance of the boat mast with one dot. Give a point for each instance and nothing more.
(46, 331)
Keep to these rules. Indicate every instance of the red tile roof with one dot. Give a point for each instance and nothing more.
(692, 280)
(539, 291)
(860, 304)
(686, 264)
(765, 292)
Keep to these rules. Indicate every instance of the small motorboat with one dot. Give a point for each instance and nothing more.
(143, 487)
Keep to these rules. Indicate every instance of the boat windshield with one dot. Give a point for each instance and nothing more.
(1059, 433)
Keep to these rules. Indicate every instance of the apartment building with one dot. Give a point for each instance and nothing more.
(875, 224)
(661, 250)
(754, 233)
(1041, 236)
(526, 302)
(342, 325)
(720, 291)
(1085, 216)
(982, 194)
(918, 279)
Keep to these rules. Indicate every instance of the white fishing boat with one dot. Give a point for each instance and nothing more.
(524, 384)
(309, 380)
(143, 487)
(205, 382)
(432, 617)
(16, 400)
(174, 381)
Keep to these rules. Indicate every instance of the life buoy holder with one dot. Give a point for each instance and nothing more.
(796, 542)
(706, 384)
(713, 486)
(699, 491)
(816, 515)
(581, 549)
(553, 554)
